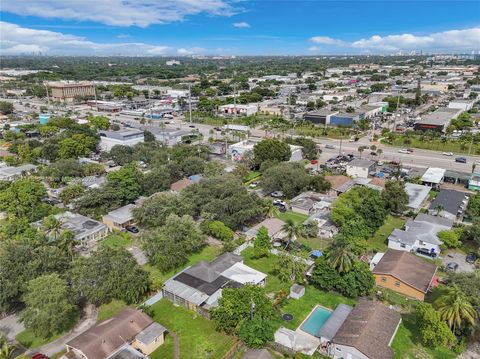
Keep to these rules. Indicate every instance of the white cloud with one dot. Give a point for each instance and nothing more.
(123, 36)
(325, 40)
(241, 25)
(314, 48)
(16, 40)
(120, 12)
(190, 51)
(446, 41)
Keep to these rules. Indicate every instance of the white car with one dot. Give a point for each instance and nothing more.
(447, 153)
(404, 151)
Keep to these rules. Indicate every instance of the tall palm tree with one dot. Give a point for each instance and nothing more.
(269, 209)
(341, 256)
(52, 227)
(455, 308)
(292, 230)
(66, 243)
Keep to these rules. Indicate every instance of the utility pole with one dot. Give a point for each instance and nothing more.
(46, 89)
(190, 101)
(396, 113)
(95, 93)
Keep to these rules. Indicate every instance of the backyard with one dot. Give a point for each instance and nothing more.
(378, 243)
(122, 240)
(297, 218)
(196, 334)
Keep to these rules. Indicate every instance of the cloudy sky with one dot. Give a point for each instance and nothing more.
(237, 27)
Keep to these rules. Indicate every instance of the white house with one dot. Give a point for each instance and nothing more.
(125, 137)
(239, 149)
(420, 233)
(360, 167)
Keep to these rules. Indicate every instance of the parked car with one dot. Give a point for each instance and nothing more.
(191, 126)
(314, 162)
(253, 185)
(217, 129)
(404, 151)
(277, 194)
(471, 258)
(426, 252)
(447, 153)
(132, 229)
(451, 267)
(461, 159)
(331, 147)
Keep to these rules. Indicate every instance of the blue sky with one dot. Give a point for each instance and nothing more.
(239, 27)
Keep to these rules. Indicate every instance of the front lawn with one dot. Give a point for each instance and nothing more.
(378, 243)
(406, 344)
(297, 218)
(106, 311)
(114, 241)
(196, 334)
(158, 278)
(29, 340)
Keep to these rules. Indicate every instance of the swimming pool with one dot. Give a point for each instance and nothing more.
(316, 320)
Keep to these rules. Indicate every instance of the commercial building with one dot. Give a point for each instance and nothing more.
(463, 105)
(130, 334)
(434, 87)
(125, 137)
(67, 91)
(437, 120)
(433, 177)
(405, 273)
(238, 109)
(319, 117)
(360, 167)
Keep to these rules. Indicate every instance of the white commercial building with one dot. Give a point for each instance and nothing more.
(360, 167)
(463, 105)
(129, 137)
(239, 109)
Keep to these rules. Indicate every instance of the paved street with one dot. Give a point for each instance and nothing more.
(11, 326)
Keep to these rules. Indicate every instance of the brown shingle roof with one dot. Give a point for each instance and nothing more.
(408, 268)
(103, 339)
(369, 328)
(180, 185)
(337, 181)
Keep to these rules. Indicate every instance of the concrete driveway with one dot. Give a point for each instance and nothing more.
(11, 326)
(459, 258)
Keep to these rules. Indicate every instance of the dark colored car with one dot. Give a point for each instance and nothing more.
(217, 128)
(426, 252)
(191, 126)
(461, 159)
(471, 258)
(451, 267)
(132, 229)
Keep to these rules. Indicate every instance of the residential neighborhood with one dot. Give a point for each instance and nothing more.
(240, 207)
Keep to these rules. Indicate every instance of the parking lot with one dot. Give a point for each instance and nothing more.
(458, 258)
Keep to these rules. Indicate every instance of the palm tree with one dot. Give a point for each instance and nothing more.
(52, 227)
(360, 150)
(6, 348)
(269, 209)
(439, 208)
(341, 256)
(66, 243)
(455, 308)
(379, 153)
(292, 230)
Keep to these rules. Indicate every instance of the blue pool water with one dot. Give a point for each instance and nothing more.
(316, 320)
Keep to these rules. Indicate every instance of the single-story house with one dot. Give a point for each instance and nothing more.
(420, 233)
(308, 202)
(291, 341)
(417, 195)
(129, 334)
(273, 226)
(200, 286)
(87, 232)
(449, 203)
(8, 173)
(405, 273)
(367, 332)
(337, 183)
(360, 167)
(180, 185)
(119, 218)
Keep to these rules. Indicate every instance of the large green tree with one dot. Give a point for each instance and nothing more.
(455, 308)
(48, 305)
(395, 197)
(154, 211)
(271, 150)
(288, 177)
(434, 332)
(23, 199)
(109, 274)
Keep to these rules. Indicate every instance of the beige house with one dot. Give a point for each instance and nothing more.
(119, 218)
(128, 334)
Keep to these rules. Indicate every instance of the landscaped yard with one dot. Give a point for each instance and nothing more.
(197, 335)
(30, 340)
(267, 266)
(117, 241)
(106, 311)
(406, 344)
(378, 243)
(315, 243)
(297, 218)
(158, 278)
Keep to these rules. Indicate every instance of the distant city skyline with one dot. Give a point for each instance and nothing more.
(236, 27)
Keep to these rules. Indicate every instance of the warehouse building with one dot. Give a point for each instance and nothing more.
(437, 120)
(67, 91)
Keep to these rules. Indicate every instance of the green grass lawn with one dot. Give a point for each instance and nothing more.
(251, 176)
(165, 351)
(436, 145)
(378, 243)
(406, 345)
(315, 243)
(267, 266)
(117, 241)
(297, 218)
(196, 334)
(106, 311)
(158, 278)
(29, 340)
(300, 308)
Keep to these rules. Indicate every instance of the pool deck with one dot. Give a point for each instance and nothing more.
(299, 328)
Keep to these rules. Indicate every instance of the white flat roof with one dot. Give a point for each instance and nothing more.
(416, 194)
(433, 175)
(241, 273)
